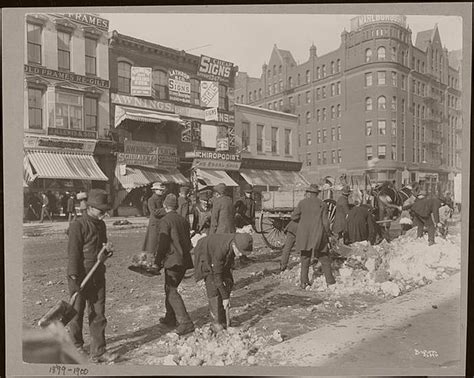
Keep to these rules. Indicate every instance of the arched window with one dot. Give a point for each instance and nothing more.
(290, 82)
(318, 72)
(381, 53)
(338, 65)
(298, 82)
(269, 73)
(307, 77)
(333, 67)
(368, 103)
(260, 94)
(308, 117)
(124, 77)
(333, 112)
(250, 96)
(368, 55)
(255, 95)
(381, 103)
(339, 113)
(279, 69)
(274, 69)
(394, 54)
(160, 84)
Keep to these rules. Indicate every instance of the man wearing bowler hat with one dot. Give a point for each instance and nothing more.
(222, 215)
(311, 213)
(342, 209)
(86, 238)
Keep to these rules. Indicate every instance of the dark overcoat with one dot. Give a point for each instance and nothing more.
(360, 225)
(155, 205)
(201, 219)
(342, 209)
(213, 254)
(174, 242)
(183, 207)
(222, 216)
(313, 224)
(426, 206)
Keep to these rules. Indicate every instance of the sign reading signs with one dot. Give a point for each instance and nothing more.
(140, 83)
(209, 94)
(179, 85)
(210, 114)
(142, 103)
(89, 19)
(214, 69)
(68, 76)
(64, 144)
(72, 133)
(359, 21)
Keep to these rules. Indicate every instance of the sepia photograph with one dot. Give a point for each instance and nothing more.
(252, 190)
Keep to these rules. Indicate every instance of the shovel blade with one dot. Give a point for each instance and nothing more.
(63, 312)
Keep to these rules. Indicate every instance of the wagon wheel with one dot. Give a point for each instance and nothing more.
(331, 204)
(272, 230)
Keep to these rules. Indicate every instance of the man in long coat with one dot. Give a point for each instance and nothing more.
(155, 206)
(312, 234)
(173, 253)
(360, 224)
(425, 213)
(342, 209)
(222, 215)
(202, 215)
(184, 202)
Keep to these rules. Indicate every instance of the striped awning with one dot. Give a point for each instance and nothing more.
(62, 165)
(142, 115)
(131, 177)
(259, 177)
(209, 177)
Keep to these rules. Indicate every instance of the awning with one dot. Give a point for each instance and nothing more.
(208, 177)
(63, 165)
(125, 112)
(136, 176)
(259, 177)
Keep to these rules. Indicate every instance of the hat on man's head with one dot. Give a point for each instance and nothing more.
(244, 242)
(98, 199)
(220, 188)
(158, 186)
(313, 188)
(346, 190)
(247, 188)
(171, 201)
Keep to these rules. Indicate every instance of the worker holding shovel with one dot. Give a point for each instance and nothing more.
(87, 235)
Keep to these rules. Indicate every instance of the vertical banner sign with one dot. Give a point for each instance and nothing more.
(209, 94)
(186, 132)
(140, 83)
(231, 98)
(231, 135)
(179, 85)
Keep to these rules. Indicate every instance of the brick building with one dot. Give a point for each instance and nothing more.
(379, 105)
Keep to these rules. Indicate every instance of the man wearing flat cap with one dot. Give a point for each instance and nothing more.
(312, 234)
(173, 253)
(86, 238)
(222, 215)
(214, 260)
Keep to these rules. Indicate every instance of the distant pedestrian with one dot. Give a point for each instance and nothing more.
(312, 235)
(342, 209)
(155, 206)
(222, 214)
(144, 201)
(184, 202)
(425, 213)
(45, 208)
(290, 240)
(71, 207)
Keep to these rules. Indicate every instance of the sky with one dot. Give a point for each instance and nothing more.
(247, 40)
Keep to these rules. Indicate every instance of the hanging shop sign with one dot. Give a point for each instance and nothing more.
(31, 141)
(136, 159)
(148, 154)
(209, 136)
(211, 155)
(222, 144)
(211, 114)
(140, 81)
(185, 111)
(167, 156)
(179, 85)
(214, 69)
(191, 131)
(142, 103)
(72, 133)
(209, 94)
(225, 117)
(222, 165)
(67, 76)
(89, 19)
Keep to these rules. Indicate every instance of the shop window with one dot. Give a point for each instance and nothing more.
(35, 108)
(33, 33)
(260, 138)
(368, 128)
(381, 78)
(64, 51)
(382, 151)
(368, 152)
(274, 139)
(123, 82)
(195, 92)
(223, 102)
(381, 103)
(91, 56)
(287, 142)
(68, 111)
(382, 127)
(90, 113)
(368, 79)
(368, 103)
(368, 55)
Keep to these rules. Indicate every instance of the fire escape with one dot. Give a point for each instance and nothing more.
(433, 137)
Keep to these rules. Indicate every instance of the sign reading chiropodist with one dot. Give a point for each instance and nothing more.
(215, 69)
(215, 160)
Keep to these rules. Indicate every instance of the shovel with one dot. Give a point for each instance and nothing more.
(227, 317)
(63, 311)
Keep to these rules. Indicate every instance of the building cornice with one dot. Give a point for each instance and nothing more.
(268, 111)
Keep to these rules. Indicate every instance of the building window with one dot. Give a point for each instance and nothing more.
(339, 156)
(394, 152)
(403, 105)
(274, 70)
(319, 158)
(269, 73)
(299, 139)
(333, 89)
(368, 128)
(245, 135)
(338, 65)
(382, 151)
(270, 106)
(368, 152)
(394, 54)
(90, 113)
(318, 136)
(290, 82)
(333, 134)
(308, 117)
(333, 157)
(91, 56)
(124, 77)
(368, 55)
(368, 79)
(381, 53)
(323, 70)
(195, 92)
(404, 82)
(260, 93)
(333, 68)
(394, 128)
(68, 111)
(308, 97)
(325, 135)
(279, 69)
(325, 159)
(260, 138)
(323, 92)
(275, 88)
(287, 142)
(298, 81)
(160, 85)
(338, 88)
(308, 159)
(64, 52)
(270, 89)
(280, 85)
(275, 105)
(274, 139)
(318, 115)
(333, 112)
(318, 94)
(381, 78)
(368, 103)
(291, 101)
(339, 134)
(308, 78)
(280, 105)
(308, 138)
(394, 79)
(339, 112)
(35, 108)
(250, 96)
(324, 114)
(381, 103)
(382, 127)
(33, 36)
(223, 102)
(318, 73)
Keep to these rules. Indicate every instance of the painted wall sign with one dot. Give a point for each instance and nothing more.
(210, 114)
(89, 19)
(142, 103)
(223, 165)
(149, 154)
(31, 141)
(140, 81)
(214, 69)
(222, 144)
(72, 133)
(137, 159)
(359, 21)
(179, 85)
(138, 147)
(68, 76)
(225, 117)
(209, 94)
(167, 155)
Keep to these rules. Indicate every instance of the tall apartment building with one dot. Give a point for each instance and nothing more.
(378, 105)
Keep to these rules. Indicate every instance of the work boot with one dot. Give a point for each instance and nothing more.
(215, 308)
(106, 357)
(185, 324)
(184, 329)
(168, 321)
(326, 268)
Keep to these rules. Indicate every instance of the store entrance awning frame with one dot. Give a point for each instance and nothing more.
(211, 177)
(274, 178)
(137, 176)
(123, 113)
